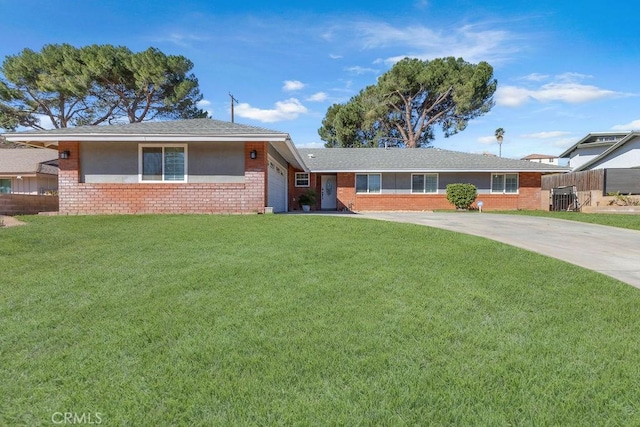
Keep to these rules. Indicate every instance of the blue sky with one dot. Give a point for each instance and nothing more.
(564, 68)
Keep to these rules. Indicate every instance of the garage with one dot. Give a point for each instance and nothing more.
(277, 186)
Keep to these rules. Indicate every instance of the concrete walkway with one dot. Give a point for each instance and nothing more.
(608, 250)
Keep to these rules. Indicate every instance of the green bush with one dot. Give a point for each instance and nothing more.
(461, 195)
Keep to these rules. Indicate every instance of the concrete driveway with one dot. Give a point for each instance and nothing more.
(608, 250)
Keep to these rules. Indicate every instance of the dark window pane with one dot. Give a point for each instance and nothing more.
(152, 163)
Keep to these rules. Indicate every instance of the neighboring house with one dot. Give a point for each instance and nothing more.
(542, 158)
(28, 180)
(187, 166)
(209, 166)
(605, 150)
(415, 179)
(28, 171)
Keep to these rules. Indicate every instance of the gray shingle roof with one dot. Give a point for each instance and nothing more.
(28, 161)
(413, 160)
(202, 127)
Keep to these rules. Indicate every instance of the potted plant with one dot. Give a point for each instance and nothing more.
(308, 199)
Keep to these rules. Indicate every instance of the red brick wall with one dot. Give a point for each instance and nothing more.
(528, 197)
(83, 198)
(295, 192)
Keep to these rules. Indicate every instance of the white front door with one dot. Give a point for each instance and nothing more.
(328, 200)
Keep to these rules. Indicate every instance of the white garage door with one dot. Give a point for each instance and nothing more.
(277, 187)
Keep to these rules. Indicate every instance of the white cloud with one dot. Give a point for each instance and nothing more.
(487, 140)
(361, 70)
(292, 85)
(284, 110)
(545, 135)
(471, 42)
(535, 77)
(205, 105)
(332, 56)
(564, 143)
(634, 125)
(318, 97)
(563, 91)
(566, 87)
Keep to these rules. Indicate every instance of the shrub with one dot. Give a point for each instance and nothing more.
(622, 200)
(309, 197)
(461, 195)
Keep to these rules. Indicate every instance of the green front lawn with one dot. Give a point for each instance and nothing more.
(305, 320)
(631, 222)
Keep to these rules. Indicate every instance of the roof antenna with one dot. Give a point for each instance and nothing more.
(233, 101)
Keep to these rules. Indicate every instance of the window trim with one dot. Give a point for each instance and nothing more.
(355, 186)
(308, 179)
(163, 146)
(504, 183)
(424, 187)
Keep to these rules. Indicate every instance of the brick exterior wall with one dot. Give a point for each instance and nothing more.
(139, 198)
(295, 192)
(528, 197)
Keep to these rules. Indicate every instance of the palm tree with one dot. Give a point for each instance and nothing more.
(500, 137)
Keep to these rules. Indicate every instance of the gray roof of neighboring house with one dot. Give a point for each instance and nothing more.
(28, 161)
(414, 160)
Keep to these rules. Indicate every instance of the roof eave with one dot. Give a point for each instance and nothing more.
(53, 140)
(608, 151)
(430, 170)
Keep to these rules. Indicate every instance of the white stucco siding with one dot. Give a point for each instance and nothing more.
(627, 156)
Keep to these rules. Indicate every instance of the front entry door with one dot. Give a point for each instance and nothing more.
(328, 199)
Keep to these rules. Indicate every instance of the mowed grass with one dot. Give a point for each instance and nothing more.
(630, 221)
(305, 320)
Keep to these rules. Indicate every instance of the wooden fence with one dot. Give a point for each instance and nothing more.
(27, 204)
(583, 181)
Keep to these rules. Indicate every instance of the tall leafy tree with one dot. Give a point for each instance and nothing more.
(409, 101)
(95, 84)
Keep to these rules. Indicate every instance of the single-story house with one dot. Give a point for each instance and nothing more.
(28, 180)
(28, 171)
(210, 166)
(604, 150)
(415, 179)
(185, 166)
(542, 158)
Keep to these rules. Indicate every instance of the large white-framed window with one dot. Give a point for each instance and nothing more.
(162, 163)
(424, 183)
(302, 179)
(506, 183)
(368, 183)
(5, 185)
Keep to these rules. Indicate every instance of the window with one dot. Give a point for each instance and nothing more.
(424, 183)
(368, 183)
(163, 163)
(504, 183)
(5, 186)
(302, 179)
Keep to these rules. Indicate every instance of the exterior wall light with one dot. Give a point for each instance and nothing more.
(65, 154)
(253, 154)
